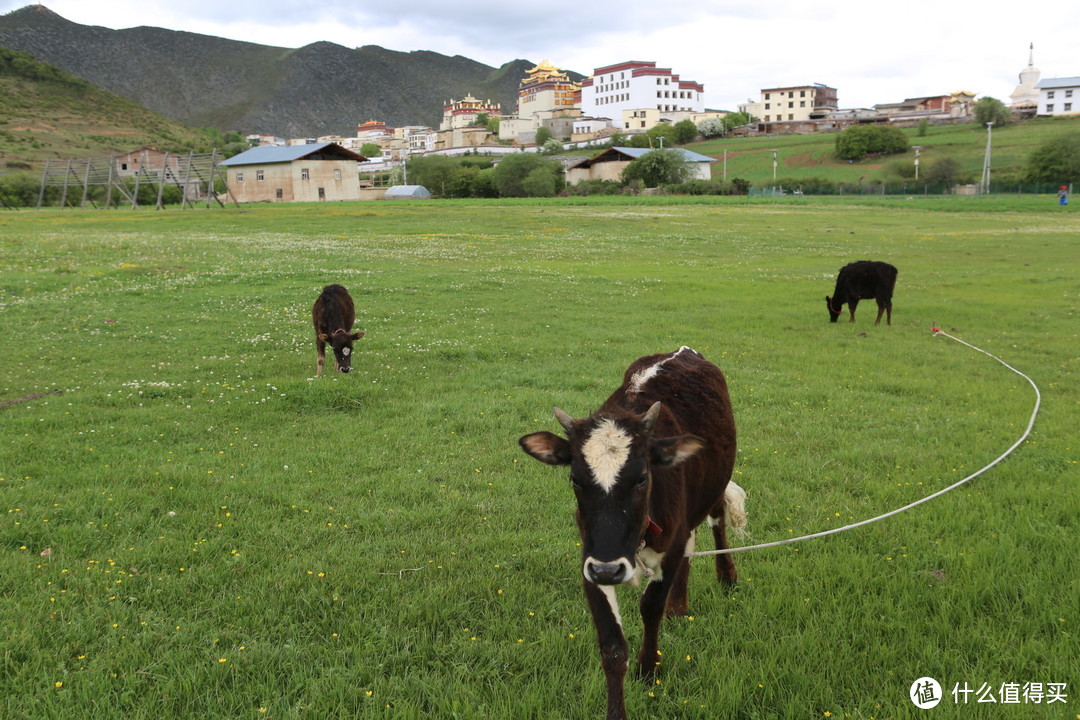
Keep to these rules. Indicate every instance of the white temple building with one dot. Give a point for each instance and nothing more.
(1026, 95)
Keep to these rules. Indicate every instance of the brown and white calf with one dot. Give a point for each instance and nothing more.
(863, 280)
(647, 468)
(333, 316)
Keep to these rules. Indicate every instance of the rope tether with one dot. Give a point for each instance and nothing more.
(1027, 431)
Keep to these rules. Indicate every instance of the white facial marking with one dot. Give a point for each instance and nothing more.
(346, 351)
(613, 601)
(606, 452)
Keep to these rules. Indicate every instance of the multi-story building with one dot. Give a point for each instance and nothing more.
(799, 103)
(547, 97)
(637, 85)
(546, 89)
(1059, 96)
(463, 113)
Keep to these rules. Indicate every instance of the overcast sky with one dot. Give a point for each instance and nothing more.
(871, 52)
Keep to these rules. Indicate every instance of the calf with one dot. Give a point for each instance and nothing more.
(647, 468)
(860, 281)
(333, 316)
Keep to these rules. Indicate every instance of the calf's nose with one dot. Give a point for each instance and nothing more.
(345, 369)
(603, 573)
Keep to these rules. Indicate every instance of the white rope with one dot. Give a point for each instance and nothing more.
(1023, 437)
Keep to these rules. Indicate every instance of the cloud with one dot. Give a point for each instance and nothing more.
(869, 54)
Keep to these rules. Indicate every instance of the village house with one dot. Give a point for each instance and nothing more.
(294, 173)
(610, 163)
(794, 104)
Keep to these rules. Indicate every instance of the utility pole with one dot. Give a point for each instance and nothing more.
(985, 183)
(918, 149)
(773, 151)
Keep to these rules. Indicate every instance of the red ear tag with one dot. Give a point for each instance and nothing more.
(653, 529)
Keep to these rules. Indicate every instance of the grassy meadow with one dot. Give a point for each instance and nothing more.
(192, 526)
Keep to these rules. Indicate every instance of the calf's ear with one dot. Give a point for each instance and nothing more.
(546, 447)
(324, 337)
(357, 335)
(669, 452)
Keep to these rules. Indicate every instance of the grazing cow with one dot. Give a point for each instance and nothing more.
(863, 280)
(647, 468)
(333, 316)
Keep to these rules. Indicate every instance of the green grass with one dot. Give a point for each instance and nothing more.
(811, 156)
(229, 537)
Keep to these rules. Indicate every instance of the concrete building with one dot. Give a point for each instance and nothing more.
(1058, 96)
(297, 173)
(798, 103)
(637, 85)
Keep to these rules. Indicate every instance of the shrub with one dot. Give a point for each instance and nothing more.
(528, 175)
(858, 141)
(1057, 160)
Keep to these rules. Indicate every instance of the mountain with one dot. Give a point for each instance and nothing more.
(48, 113)
(205, 81)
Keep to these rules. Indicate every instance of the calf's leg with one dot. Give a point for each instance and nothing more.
(613, 650)
(320, 348)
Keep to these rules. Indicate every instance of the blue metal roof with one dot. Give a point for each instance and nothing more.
(688, 156)
(266, 154)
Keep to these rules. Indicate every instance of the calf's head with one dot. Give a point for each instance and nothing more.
(611, 459)
(834, 308)
(341, 341)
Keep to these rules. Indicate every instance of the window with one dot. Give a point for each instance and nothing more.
(1068, 93)
(767, 106)
(767, 96)
(239, 177)
(1049, 94)
(304, 174)
(280, 194)
(337, 174)
(259, 175)
(1049, 107)
(1067, 107)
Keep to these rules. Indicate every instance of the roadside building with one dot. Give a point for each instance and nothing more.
(295, 173)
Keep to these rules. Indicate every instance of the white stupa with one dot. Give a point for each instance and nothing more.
(1025, 94)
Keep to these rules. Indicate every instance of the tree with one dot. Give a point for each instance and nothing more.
(736, 119)
(1057, 160)
(685, 131)
(553, 146)
(943, 171)
(658, 167)
(543, 134)
(990, 109)
(528, 175)
(370, 150)
(712, 127)
(858, 141)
